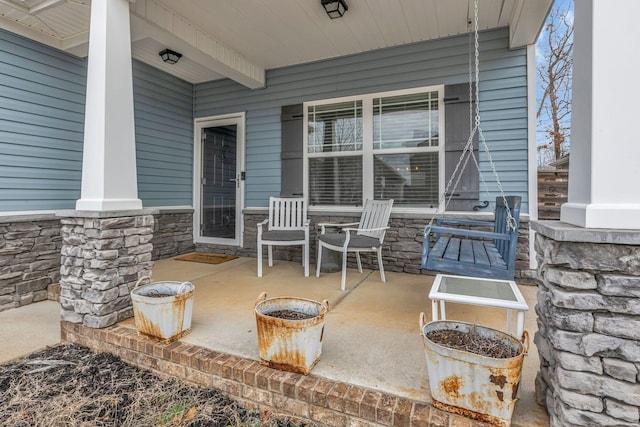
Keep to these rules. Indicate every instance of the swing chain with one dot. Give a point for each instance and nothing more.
(474, 126)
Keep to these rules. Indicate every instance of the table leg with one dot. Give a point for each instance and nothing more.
(434, 310)
(509, 321)
(443, 313)
(520, 324)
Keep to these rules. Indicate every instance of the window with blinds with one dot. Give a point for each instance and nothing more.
(335, 127)
(380, 146)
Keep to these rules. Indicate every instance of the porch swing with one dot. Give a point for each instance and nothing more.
(458, 249)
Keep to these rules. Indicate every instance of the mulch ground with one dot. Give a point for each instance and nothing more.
(69, 385)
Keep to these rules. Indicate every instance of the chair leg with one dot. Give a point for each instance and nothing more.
(380, 265)
(259, 259)
(305, 259)
(319, 259)
(344, 271)
(359, 262)
(270, 250)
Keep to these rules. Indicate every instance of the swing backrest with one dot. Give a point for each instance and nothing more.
(507, 249)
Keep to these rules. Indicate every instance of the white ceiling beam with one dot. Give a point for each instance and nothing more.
(202, 47)
(15, 5)
(45, 5)
(24, 31)
(48, 4)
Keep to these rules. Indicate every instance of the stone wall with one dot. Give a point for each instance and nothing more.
(589, 325)
(172, 233)
(402, 245)
(30, 251)
(29, 258)
(103, 256)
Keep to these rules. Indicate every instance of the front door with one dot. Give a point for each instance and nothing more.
(219, 160)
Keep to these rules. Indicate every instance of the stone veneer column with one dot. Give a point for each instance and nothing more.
(103, 255)
(589, 324)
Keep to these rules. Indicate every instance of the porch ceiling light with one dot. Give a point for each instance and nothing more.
(335, 8)
(169, 56)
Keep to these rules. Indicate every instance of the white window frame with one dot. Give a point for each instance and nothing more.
(367, 147)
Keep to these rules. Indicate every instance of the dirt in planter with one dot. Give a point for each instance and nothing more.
(69, 385)
(290, 315)
(473, 343)
(158, 295)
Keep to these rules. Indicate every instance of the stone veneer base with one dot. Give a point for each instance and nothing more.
(262, 388)
(588, 337)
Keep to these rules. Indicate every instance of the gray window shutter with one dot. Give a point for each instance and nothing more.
(456, 113)
(291, 151)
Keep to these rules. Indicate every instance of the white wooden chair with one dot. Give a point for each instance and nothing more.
(287, 225)
(368, 237)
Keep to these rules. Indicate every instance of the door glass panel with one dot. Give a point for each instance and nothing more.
(219, 184)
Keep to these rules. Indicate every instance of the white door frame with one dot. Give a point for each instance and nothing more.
(237, 119)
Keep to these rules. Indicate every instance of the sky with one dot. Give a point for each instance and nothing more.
(566, 9)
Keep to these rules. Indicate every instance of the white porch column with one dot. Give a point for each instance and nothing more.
(604, 174)
(109, 180)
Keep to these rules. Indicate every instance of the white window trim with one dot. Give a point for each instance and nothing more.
(368, 152)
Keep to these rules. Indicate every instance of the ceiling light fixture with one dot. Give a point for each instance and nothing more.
(169, 56)
(335, 8)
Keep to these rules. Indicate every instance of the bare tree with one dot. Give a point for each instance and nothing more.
(554, 70)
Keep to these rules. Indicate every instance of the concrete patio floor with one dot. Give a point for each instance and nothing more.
(372, 336)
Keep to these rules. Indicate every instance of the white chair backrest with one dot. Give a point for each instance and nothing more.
(287, 213)
(375, 214)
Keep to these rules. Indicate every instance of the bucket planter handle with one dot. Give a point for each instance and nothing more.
(184, 286)
(140, 280)
(422, 320)
(525, 342)
(324, 306)
(261, 297)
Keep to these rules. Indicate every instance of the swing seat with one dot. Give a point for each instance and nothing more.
(486, 254)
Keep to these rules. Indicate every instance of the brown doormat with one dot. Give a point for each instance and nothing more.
(206, 258)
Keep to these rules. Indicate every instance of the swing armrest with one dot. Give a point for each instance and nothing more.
(465, 233)
(441, 221)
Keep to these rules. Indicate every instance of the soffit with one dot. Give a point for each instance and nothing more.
(246, 37)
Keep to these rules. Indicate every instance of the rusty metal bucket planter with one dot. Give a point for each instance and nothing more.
(290, 345)
(166, 318)
(475, 386)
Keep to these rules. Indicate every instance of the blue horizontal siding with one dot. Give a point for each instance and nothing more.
(503, 101)
(42, 93)
(164, 137)
(42, 100)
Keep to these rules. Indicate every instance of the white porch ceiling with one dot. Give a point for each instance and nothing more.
(241, 39)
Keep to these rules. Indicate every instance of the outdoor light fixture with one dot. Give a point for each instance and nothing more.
(169, 56)
(335, 8)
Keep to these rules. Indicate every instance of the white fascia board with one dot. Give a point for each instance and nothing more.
(197, 44)
(74, 42)
(527, 21)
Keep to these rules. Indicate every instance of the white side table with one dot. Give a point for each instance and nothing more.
(477, 291)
